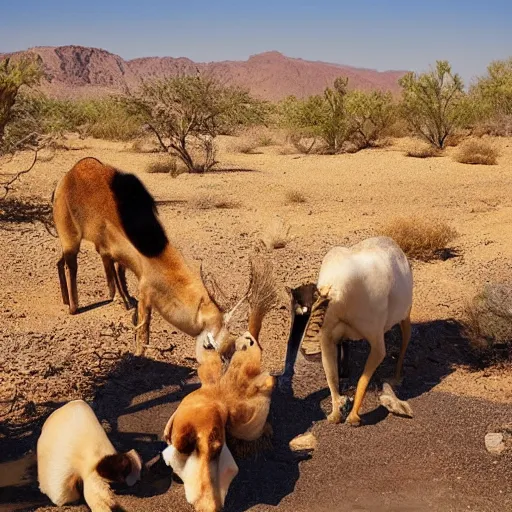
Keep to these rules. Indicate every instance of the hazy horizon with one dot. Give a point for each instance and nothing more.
(385, 35)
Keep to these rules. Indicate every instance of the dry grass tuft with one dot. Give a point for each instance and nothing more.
(295, 197)
(263, 295)
(421, 239)
(142, 146)
(208, 202)
(489, 321)
(245, 147)
(277, 235)
(422, 150)
(167, 165)
(477, 152)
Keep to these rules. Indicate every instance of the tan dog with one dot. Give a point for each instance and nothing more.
(236, 402)
(74, 449)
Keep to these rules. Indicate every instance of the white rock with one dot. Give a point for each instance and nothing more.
(303, 442)
(494, 443)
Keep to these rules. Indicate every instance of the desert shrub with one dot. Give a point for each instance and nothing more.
(185, 111)
(476, 151)
(15, 73)
(167, 165)
(421, 239)
(265, 140)
(276, 235)
(320, 116)
(492, 94)
(432, 103)
(295, 197)
(244, 146)
(421, 149)
(337, 117)
(488, 321)
(368, 114)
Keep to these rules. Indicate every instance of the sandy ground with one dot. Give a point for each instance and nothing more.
(436, 461)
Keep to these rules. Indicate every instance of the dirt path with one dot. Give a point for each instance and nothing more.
(436, 461)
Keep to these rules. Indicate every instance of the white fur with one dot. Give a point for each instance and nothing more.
(71, 444)
(370, 290)
(369, 286)
(187, 467)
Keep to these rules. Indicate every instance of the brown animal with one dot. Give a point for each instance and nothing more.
(236, 402)
(115, 212)
(73, 450)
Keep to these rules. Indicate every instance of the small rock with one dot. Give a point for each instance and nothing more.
(494, 443)
(303, 442)
(393, 404)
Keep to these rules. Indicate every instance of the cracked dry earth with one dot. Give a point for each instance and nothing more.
(435, 461)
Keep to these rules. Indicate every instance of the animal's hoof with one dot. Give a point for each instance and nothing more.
(345, 407)
(334, 417)
(353, 420)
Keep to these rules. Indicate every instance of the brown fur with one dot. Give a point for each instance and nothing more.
(85, 207)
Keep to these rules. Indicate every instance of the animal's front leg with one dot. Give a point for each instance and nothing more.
(330, 364)
(142, 328)
(292, 349)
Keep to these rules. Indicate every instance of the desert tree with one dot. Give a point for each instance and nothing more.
(319, 116)
(186, 113)
(15, 73)
(495, 88)
(431, 102)
(368, 114)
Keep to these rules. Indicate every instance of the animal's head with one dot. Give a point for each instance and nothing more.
(302, 298)
(121, 467)
(197, 451)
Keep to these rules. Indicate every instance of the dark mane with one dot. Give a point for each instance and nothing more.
(138, 214)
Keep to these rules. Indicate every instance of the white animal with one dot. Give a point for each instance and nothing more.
(367, 289)
(74, 449)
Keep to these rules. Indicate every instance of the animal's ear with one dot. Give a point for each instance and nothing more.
(115, 468)
(185, 440)
(289, 290)
(168, 428)
(136, 467)
(227, 471)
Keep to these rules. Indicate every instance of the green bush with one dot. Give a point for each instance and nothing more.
(431, 103)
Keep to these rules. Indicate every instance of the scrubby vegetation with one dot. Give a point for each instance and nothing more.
(421, 239)
(421, 149)
(476, 151)
(489, 321)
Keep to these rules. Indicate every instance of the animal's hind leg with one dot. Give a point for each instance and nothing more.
(62, 280)
(110, 273)
(343, 361)
(405, 326)
(377, 353)
(71, 267)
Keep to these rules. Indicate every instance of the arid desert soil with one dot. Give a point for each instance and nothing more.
(435, 461)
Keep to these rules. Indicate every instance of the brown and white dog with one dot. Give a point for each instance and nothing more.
(72, 450)
(236, 402)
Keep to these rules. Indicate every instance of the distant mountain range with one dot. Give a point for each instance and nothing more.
(78, 71)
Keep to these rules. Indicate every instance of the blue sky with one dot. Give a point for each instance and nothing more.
(382, 34)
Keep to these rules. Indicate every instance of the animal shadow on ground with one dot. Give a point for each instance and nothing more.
(131, 378)
(436, 349)
(26, 211)
(269, 476)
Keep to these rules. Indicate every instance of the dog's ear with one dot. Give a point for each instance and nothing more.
(185, 440)
(136, 467)
(115, 468)
(168, 429)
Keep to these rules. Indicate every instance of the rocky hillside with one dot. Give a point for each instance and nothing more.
(77, 71)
